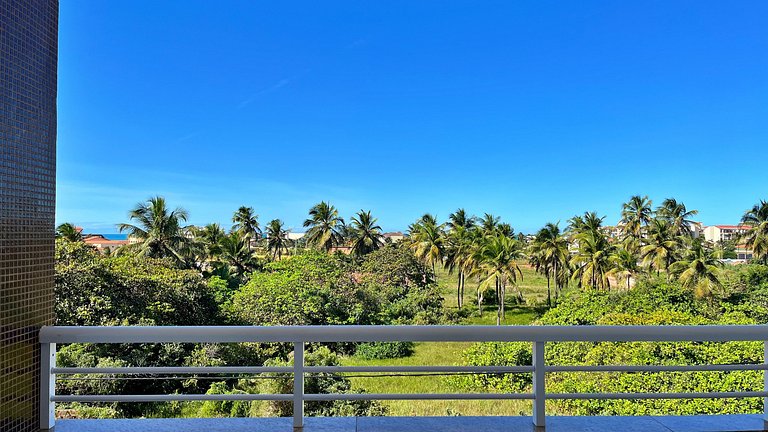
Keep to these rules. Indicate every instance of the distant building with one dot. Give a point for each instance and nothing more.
(697, 229)
(295, 235)
(103, 244)
(394, 237)
(721, 233)
(729, 233)
(613, 232)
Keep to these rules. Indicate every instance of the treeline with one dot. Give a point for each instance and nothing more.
(586, 253)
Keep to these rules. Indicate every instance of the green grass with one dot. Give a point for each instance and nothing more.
(533, 286)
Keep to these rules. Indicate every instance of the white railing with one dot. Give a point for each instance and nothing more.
(301, 335)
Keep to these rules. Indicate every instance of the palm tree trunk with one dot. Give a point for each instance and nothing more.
(549, 294)
(458, 291)
(629, 275)
(479, 302)
(498, 303)
(463, 284)
(557, 283)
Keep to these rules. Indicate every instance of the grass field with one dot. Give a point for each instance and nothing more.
(533, 286)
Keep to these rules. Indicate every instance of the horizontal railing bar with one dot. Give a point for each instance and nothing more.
(172, 370)
(384, 369)
(421, 333)
(706, 395)
(659, 368)
(169, 397)
(415, 396)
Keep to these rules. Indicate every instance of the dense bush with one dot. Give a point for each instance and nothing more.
(384, 350)
(282, 383)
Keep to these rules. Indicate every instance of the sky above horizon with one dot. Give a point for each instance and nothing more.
(533, 111)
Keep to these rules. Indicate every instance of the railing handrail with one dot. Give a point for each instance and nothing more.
(389, 333)
(538, 336)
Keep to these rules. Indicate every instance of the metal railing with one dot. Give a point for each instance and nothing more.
(301, 335)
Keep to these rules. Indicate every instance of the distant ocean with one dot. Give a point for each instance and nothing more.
(116, 236)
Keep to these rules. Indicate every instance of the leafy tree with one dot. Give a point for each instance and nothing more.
(277, 239)
(592, 260)
(159, 232)
(325, 227)
(460, 219)
(69, 232)
(365, 233)
(757, 237)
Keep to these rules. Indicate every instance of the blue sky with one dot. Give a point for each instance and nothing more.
(533, 111)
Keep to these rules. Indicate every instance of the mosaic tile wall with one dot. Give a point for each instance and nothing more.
(28, 57)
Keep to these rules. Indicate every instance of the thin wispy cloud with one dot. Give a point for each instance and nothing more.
(274, 87)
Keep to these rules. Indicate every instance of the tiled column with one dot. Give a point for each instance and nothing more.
(28, 57)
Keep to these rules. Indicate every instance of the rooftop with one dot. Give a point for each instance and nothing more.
(701, 423)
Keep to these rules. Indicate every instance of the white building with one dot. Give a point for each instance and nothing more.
(720, 233)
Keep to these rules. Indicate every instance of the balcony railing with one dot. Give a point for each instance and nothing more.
(301, 335)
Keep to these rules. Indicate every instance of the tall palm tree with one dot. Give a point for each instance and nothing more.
(325, 227)
(498, 258)
(159, 231)
(699, 269)
(593, 259)
(489, 223)
(549, 255)
(427, 240)
(661, 247)
(277, 239)
(246, 222)
(366, 234)
(636, 214)
(459, 244)
(69, 232)
(757, 237)
(459, 218)
(678, 215)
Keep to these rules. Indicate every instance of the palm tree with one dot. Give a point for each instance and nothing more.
(679, 216)
(427, 240)
(69, 232)
(699, 269)
(593, 259)
(635, 216)
(459, 244)
(366, 235)
(246, 222)
(498, 266)
(236, 254)
(549, 255)
(210, 236)
(159, 232)
(325, 227)
(489, 223)
(661, 246)
(624, 265)
(459, 218)
(757, 237)
(277, 239)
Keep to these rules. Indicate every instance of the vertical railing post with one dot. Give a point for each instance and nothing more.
(47, 386)
(539, 391)
(765, 383)
(298, 386)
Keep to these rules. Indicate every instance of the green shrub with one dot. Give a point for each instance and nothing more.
(384, 350)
